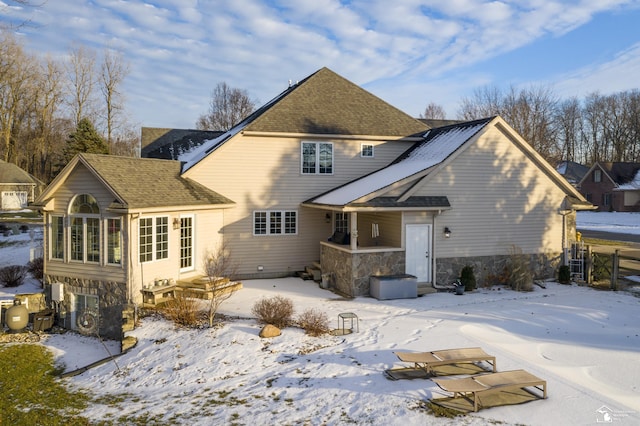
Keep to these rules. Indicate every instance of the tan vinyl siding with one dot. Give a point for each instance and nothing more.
(206, 238)
(389, 228)
(264, 174)
(81, 181)
(499, 199)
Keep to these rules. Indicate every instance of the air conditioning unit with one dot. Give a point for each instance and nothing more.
(57, 292)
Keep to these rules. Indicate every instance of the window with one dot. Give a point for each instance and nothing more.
(597, 175)
(85, 229)
(57, 237)
(606, 199)
(275, 222)
(162, 237)
(146, 239)
(186, 243)
(114, 241)
(154, 238)
(342, 222)
(366, 150)
(317, 158)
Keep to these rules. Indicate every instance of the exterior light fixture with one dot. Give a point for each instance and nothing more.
(447, 232)
(176, 223)
(327, 217)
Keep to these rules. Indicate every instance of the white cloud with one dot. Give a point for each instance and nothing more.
(260, 45)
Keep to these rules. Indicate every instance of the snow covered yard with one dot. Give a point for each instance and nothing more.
(585, 343)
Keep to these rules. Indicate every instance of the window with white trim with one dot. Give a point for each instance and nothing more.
(366, 150)
(114, 241)
(56, 236)
(342, 222)
(317, 158)
(85, 229)
(186, 243)
(275, 222)
(597, 175)
(153, 238)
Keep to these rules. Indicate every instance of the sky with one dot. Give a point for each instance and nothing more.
(408, 52)
(583, 342)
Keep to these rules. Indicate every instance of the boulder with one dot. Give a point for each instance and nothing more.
(269, 331)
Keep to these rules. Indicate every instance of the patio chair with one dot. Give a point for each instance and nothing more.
(428, 360)
(475, 387)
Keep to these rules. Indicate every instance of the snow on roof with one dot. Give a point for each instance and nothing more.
(427, 154)
(192, 157)
(634, 184)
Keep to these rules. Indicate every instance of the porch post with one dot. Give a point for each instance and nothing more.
(354, 230)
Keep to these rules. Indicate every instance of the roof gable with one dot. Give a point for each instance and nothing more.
(435, 148)
(142, 183)
(324, 104)
(425, 158)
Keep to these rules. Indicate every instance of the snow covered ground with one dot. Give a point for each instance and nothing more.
(616, 222)
(585, 343)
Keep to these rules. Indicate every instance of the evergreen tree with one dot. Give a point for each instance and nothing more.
(85, 139)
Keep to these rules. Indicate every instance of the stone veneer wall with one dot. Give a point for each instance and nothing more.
(112, 300)
(486, 268)
(349, 272)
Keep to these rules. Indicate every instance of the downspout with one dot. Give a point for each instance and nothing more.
(433, 248)
(565, 210)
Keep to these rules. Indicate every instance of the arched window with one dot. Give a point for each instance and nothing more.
(84, 215)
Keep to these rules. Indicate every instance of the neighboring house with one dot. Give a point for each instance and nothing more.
(114, 225)
(327, 174)
(573, 172)
(169, 144)
(17, 187)
(613, 186)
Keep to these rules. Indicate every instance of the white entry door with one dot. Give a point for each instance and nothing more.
(418, 251)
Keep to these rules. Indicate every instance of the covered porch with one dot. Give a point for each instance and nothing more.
(380, 240)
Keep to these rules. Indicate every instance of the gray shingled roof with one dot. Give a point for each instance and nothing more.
(621, 173)
(145, 183)
(168, 144)
(326, 103)
(10, 173)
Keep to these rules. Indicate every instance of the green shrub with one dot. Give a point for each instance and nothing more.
(276, 310)
(314, 322)
(467, 278)
(564, 274)
(13, 275)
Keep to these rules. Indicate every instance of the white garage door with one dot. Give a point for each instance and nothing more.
(14, 200)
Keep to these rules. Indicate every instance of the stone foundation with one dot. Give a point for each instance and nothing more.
(112, 301)
(490, 270)
(349, 272)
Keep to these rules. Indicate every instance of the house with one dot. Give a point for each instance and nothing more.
(325, 175)
(17, 187)
(573, 172)
(116, 225)
(612, 186)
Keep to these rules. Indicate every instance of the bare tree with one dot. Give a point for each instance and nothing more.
(81, 78)
(219, 268)
(433, 111)
(5, 9)
(17, 71)
(114, 69)
(227, 108)
(569, 128)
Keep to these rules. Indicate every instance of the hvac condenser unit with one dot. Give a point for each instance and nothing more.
(57, 292)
